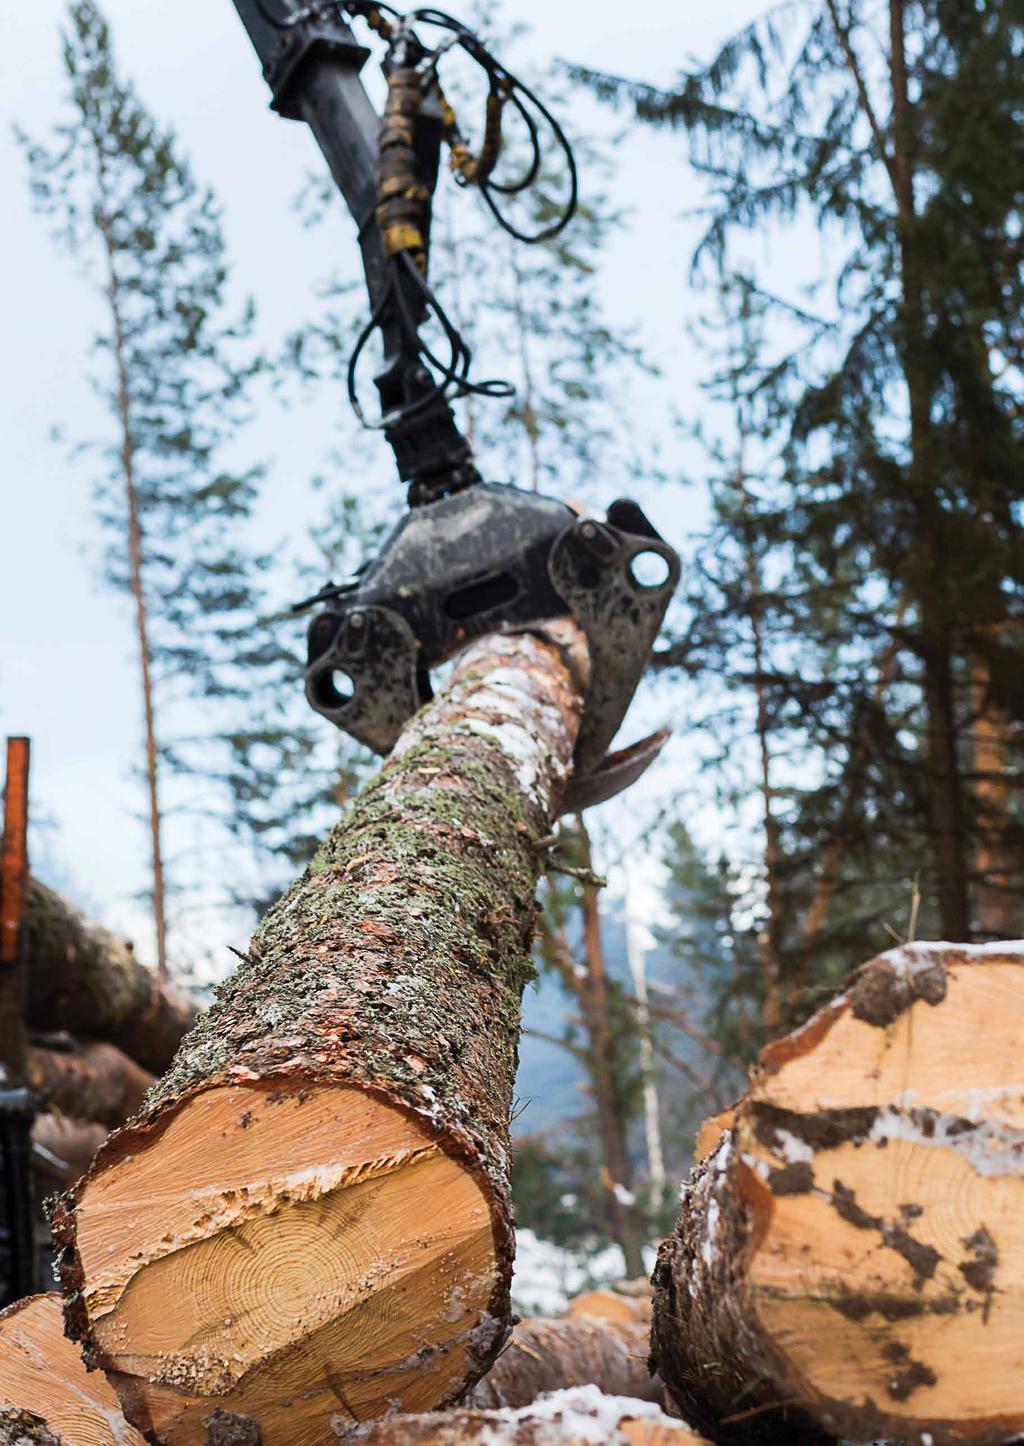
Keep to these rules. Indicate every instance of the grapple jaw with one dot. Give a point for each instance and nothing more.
(489, 559)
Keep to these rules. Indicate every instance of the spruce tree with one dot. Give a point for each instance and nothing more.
(897, 131)
(170, 366)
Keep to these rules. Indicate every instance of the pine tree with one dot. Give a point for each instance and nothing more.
(897, 130)
(170, 368)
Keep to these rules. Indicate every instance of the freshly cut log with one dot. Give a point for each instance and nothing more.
(578, 1417)
(82, 978)
(850, 1260)
(45, 1388)
(629, 1300)
(65, 1148)
(312, 1217)
(551, 1355)
(87, 1082)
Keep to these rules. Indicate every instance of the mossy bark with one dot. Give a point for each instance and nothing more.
(84, 979)
(396, 963)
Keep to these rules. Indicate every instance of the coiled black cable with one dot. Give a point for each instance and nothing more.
(449, 374)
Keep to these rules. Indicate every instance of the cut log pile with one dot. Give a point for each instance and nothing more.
(580, 1417)
(45, 1390)
(849, 1260)
(304, 1236)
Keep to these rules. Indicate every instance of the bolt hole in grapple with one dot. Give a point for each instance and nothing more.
(469, 557)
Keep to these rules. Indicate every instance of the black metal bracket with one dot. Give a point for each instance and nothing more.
(491, 559)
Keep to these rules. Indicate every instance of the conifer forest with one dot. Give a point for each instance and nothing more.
(512, 724)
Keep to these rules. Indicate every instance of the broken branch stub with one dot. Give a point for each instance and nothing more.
(311, 1218)
(850, 1259)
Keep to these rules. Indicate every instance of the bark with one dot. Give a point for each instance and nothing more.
(993, 862)
(84, 979)
(358, 1068)
(949, 835)
(46, 1394)
(551, 1355)
(119, 352)
(87, 1082)
(577, 1417)
(847, 1261)
(595, 1007)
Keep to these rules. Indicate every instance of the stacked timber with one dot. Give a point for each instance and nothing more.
(83, 979)
(47, 1397)
(579, 1417)
(549, 1355)
(310, 1221)
(849, 1259)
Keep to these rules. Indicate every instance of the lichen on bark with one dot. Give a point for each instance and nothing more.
(397, 962)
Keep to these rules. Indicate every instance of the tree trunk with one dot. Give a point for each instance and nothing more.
(136, 580)
(577, 1417)
(595, 1007)
(993, 860)
(82, 978)
(87, 1082)
(945, 789)
(329, 1155)
(850, 1260)
(44, 1383)
(551, 1355)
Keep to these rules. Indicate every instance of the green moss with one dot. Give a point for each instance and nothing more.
(409, 934)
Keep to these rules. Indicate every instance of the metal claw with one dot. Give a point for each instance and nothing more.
(614, 773)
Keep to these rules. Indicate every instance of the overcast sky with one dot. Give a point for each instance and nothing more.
(67, 674)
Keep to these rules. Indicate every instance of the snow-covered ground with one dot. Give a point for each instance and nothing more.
(547, 1276)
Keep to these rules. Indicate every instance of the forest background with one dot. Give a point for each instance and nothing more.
(822, 415)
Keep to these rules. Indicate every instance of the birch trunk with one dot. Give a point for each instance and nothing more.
(850, 1259)
(311, 1219)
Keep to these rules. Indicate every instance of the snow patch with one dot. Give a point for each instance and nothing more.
(548, 1276)
(989, 1148)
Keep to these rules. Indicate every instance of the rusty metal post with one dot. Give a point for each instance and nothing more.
(16, 1110)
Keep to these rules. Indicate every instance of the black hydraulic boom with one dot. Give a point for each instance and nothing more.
(471, 556)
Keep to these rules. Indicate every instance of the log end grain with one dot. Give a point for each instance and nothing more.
(46, 1393)
(354, 1279)
(853, 1252)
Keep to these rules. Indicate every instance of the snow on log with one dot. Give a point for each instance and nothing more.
(312, 1217)
(578, 1417)
(550, 1355)
(47, 1397)
(87, 1082)
(850, 1260)
(84, 979)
